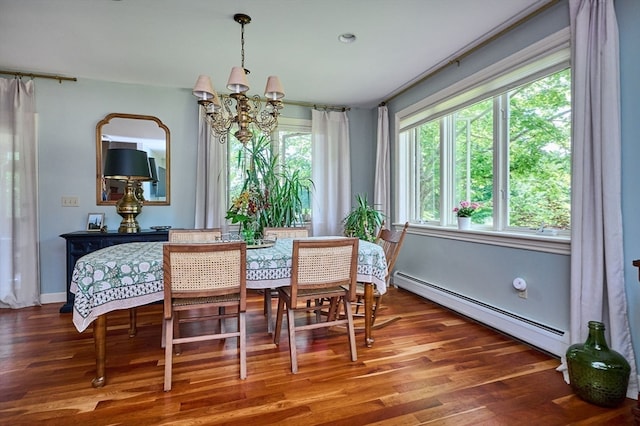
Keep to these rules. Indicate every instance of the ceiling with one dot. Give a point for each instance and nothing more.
(170, 42)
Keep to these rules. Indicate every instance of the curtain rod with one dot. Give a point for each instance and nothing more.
(35, 75)
(473, 49)
(316, 106)
(307, 104)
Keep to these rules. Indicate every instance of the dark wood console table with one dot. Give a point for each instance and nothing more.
(84, 242)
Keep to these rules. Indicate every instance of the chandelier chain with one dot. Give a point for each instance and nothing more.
(242, 47)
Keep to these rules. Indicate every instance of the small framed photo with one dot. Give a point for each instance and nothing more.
(95, 222)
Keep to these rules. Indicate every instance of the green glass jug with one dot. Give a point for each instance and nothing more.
(598, 374)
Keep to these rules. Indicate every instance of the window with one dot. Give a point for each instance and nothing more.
(291, 142)
(503, 141)
(294, 151)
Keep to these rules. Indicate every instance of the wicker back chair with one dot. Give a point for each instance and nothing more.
(320, 269)
(391, 242)
(198, 276)
(273, 233)
(195, 235)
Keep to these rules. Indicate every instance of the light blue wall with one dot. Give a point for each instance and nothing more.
(67, 118)
(362, 135)
(628, 14)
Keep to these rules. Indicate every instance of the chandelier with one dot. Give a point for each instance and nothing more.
(248, 111)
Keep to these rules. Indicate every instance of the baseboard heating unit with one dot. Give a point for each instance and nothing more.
(547, 338)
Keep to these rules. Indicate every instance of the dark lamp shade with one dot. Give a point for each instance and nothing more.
(126, 164)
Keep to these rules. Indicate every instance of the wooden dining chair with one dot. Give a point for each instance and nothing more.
(319, 269)
(198, 276)
(273, 233)
(179, 236)
(210, 235)
(391, 242)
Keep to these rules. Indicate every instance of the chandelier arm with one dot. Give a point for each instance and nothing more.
(267, 119)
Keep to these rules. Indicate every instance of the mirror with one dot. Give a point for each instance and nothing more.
(142, 132)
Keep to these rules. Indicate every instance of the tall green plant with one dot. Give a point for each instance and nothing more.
(363, 221)
(282, 188)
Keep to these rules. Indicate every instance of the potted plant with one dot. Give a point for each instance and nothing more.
(363, 221)
(464, 213)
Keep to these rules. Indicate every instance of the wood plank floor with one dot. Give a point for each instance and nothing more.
(431, 367)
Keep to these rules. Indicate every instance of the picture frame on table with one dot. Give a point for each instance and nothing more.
(95, 222)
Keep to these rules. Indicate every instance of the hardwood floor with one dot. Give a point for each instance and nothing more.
(430, 367)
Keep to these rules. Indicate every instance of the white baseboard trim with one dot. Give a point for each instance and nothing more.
(536, 334)
(46, 298)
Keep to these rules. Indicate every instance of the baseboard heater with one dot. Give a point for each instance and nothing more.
(546, 338)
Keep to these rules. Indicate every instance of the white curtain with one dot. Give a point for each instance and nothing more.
(19, 261)
(211, 179)
(597, 258)
(382, 192)
(331, 171)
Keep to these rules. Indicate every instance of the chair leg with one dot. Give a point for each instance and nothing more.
(291, 320)
(168, 353)
(163, 343)
(334, 309)
(351, 329)
(242, 328)
(268, 309)
(133, 329)
(358, 303)
(176, 332)
(276, 331)
(221, 311)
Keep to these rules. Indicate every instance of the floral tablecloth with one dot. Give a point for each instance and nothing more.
(128, 275)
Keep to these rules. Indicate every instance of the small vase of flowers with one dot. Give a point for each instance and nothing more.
(464, 213)
(246, 209)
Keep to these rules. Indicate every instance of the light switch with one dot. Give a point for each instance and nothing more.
(70, 202)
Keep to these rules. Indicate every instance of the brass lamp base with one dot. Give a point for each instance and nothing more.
(129, 207)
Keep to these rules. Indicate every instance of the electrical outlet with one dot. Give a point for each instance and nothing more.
(70, 202)
(522, 294)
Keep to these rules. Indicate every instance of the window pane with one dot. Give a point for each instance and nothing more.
(236, 167)
(295, 155)
(429, 171)
(540, 153)
(473, 127)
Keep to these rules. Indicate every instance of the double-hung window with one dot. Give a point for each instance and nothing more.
(501, 138)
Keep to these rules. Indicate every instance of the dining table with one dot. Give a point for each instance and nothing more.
(129, 275)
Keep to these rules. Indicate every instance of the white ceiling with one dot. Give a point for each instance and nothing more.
(170, 42)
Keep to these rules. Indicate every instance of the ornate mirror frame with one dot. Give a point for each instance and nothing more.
(143, 132)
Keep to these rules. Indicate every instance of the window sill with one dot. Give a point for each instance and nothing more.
(558, 244)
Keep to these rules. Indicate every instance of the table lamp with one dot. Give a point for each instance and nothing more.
(131, 166)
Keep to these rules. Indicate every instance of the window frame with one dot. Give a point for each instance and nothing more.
(545, 57)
